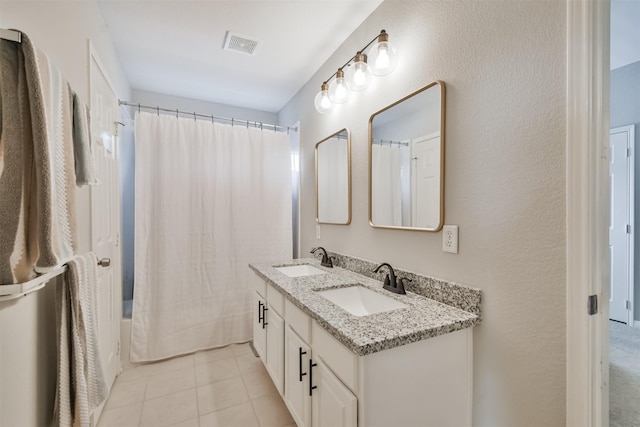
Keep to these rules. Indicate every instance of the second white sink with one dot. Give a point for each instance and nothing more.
(300, 270)
(361, 301)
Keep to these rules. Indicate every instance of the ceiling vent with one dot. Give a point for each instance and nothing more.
(240, 43)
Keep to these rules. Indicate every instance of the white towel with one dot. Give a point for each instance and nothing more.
(52, 125)
(81, 386)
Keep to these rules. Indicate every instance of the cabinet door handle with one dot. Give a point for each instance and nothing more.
(311, 386)
(260, 318)
(264, 315)
(300, 353)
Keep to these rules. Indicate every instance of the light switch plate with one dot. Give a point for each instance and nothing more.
(450, 239)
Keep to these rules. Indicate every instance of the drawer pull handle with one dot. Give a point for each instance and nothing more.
(264, 315)
(311, 386)
(260, 318)
(300, 353)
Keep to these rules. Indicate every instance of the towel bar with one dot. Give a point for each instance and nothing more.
(9, 292)
(13, 35)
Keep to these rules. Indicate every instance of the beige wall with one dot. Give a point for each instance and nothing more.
(27, 325)
(504, 66)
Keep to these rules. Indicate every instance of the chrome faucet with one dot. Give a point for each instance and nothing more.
(326, 259)
(390, 282)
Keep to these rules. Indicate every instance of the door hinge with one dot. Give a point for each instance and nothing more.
(628, 152)
(592, 305)
(628, 305)
(118, 348)
(628, 228)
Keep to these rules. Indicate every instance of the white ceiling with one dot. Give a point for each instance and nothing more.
(175, 46)
(625, 32)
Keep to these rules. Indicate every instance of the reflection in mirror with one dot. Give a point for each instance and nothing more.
(406, 155)
(333, 179)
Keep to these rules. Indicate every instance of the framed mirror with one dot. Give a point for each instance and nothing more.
(406, 162)
(333, 179)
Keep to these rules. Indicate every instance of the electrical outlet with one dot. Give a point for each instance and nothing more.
(317, 231)
(450, 239)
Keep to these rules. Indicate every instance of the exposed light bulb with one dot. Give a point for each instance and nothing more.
(325, 102)
(383, 56)
(359, 74)
(338, 91)
(322, 102)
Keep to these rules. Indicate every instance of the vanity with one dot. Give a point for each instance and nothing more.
(344, 352)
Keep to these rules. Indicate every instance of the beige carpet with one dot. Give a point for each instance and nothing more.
(624, 375)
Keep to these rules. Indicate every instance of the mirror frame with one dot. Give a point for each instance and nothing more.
(348, 178)
(442, 156)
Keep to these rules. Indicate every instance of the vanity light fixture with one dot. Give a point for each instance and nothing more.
(356, 74)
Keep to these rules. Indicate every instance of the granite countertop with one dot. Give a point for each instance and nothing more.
(423, 318)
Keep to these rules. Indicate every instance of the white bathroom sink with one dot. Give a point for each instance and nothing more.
(300, 270)
(361, 301)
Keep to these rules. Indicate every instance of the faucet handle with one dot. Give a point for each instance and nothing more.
(401, 282)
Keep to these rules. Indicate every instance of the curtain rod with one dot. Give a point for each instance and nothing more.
(390, 142)
(211, 117)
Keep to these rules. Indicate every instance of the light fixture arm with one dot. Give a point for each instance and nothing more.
(358, 76)
(383, 34)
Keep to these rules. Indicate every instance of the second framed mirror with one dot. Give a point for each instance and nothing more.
(333, 179)
(406, 162)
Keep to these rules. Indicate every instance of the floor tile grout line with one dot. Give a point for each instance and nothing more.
(255, 414)
(195, 387)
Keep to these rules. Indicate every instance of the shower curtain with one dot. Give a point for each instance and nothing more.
(389, 184)
(210, 198)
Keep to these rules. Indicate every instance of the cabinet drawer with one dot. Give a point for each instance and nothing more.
(275, 299)
(298, 320)
(341, 361)
(258, 284)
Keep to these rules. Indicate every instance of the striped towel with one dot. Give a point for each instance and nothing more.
(37, 178)
(81, 386)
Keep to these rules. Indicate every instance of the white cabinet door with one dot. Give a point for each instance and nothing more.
(332, 404)
(259, 331)
(296, 377)
(275, 347)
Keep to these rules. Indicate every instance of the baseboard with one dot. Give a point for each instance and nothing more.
(255, 352)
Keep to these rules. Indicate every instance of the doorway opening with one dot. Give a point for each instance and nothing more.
(624, 305)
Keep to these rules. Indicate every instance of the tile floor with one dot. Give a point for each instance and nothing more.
(227, 386)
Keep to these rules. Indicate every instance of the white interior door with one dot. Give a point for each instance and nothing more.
(425, 191)
(105, 215)
(621, 224)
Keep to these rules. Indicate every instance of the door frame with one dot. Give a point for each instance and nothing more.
(587, 214)
(630, 130)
